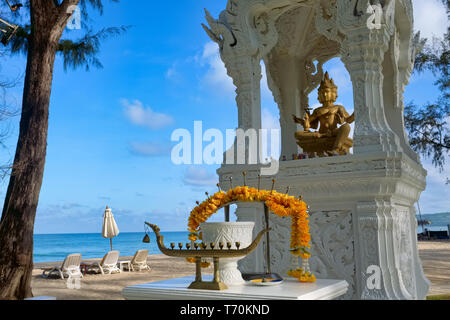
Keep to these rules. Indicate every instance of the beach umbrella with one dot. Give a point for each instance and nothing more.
(110, 229)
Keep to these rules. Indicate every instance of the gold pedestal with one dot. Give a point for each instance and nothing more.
(319, 147)
(216, 284)
(202, 285)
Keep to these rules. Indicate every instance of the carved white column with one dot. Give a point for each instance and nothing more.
(288, 70)
(243, 66)
(363, 51)
(387, 239)
(246, 74)
(397, 68)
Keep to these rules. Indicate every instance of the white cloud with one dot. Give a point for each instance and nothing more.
(172, 72)
(145, 116)
(430, 18)
(216, 75)
(269, 120)
(265, 91)
(434, 175)
(433, 199)
(149, 149)
(199, 176)
(210, 49)
(341, 77)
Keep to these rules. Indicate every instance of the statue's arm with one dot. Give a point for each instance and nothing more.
(303, 122)
(351, 119)
(346, 118)
(314, 121)
(297, 119)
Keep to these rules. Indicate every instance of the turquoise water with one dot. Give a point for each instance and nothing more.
(55, 247)
(439, 221)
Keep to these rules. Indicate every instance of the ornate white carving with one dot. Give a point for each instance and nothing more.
(326, 15)
(332, 247)
(404, 249)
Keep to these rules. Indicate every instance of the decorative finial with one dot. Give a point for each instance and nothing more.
(327, 83)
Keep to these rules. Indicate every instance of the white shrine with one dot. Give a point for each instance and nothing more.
(361, 205)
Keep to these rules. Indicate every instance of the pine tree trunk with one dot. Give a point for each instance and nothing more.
(19, 210)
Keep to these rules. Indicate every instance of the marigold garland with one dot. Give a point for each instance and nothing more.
(281, 204)
(301, 275)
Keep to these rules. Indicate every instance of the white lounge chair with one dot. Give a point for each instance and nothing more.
(139, 261)
(108, 264)
(70, 267)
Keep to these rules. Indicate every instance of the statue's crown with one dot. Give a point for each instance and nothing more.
(327, 83)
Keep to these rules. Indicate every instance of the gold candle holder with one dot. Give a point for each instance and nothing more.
(213, 253)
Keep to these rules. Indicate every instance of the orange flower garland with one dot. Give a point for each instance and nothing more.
(281, 204)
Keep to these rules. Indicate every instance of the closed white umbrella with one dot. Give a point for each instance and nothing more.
(110, 229)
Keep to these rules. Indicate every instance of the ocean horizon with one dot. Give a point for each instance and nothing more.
(55, 247)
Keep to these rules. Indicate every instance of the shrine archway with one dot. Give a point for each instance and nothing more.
(362, 204)
(294, 38)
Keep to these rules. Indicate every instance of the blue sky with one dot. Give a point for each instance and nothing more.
(109, 133)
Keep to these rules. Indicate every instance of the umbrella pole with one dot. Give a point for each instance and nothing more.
(110, 240)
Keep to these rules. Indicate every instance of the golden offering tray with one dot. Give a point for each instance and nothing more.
(200, 251)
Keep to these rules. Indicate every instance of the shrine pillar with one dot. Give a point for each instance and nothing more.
(363, 51)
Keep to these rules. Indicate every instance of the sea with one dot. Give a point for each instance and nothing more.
(55, 247)
(439, 222)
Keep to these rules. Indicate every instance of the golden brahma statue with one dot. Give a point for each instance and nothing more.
(333, 135)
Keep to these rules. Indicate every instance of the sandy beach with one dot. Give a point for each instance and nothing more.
(109, 287)
(435, 259)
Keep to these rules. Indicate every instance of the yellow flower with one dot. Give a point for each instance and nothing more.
(280, 204)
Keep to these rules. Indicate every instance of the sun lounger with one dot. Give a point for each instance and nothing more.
(139, 261)
(108, 264)
(70, 267)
